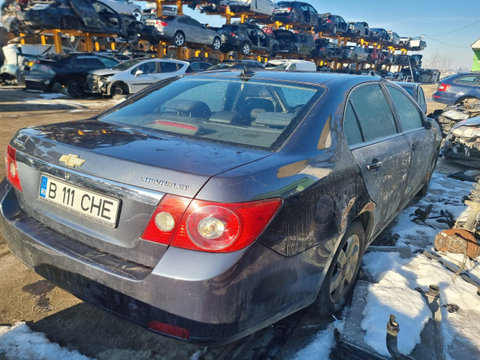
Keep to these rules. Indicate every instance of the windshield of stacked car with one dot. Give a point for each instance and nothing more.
(241, 111)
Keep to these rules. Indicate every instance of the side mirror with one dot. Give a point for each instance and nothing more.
(138, 72)
(427, 123)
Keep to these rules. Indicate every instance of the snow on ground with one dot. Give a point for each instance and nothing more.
(395, 279)
(20, 343)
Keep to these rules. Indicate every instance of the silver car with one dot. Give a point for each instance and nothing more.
(184, 29)
(134, 75)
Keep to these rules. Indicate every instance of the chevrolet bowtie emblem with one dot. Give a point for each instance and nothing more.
(72, 160)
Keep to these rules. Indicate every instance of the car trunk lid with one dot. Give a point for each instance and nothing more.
(118, 176)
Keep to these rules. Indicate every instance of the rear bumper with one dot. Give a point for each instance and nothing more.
(444, 97)
(214, 298)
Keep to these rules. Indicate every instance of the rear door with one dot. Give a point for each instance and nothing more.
(380, 150)
(420, 139)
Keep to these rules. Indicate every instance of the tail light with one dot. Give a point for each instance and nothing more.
(443, 87)
(328, 21)
(232, 34)
(209, 226)
(11, 167)
(161, 23)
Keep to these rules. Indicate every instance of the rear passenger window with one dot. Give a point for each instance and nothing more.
(467, 80)
(168, 67)
(373, 112)
(408, 114)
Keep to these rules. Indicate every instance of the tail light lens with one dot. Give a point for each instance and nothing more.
(11, 167)
(328, 21)
(443, 87)
(161, 23)
(209, 226)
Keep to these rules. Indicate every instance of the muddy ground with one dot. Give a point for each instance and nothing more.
(25, 296)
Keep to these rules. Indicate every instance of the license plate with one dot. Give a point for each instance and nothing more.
(81, 201)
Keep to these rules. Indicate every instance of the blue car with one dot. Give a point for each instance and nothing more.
(459, 88)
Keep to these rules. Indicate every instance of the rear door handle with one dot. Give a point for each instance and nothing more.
(374, 166)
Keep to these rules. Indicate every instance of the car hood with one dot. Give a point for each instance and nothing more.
(104, 72)
(159, 162)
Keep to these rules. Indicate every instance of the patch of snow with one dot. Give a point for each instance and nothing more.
(20, 342)
(52, 95)
(323, 344)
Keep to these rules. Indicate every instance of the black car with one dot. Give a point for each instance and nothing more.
(327, 50)
(207, 218)
(247, 38)
(199, 65)
(379, 34)
(249, 64)
(67, 71)
(295, 12)
(83, 15)
(291, 43)
(359, 28)
(332, 24)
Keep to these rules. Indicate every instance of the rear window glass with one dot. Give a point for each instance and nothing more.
(253, 112)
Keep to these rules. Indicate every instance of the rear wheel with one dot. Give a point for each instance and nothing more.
(217, 43)
(245, 48)
(74, 89)
(339, 281)
(179, 39)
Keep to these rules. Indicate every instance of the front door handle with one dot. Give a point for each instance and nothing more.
(374, 166)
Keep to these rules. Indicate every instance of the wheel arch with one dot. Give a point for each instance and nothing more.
(118, 82)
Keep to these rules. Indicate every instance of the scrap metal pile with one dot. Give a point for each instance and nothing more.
(460, 126)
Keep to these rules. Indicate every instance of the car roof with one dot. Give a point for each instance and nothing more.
(316, 78)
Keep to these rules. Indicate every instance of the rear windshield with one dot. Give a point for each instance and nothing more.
(249, 112)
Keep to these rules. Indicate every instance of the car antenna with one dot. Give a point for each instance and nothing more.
(246, 72)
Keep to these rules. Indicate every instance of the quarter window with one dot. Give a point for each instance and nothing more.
(408, 114)
(373, 112)
(351, 129)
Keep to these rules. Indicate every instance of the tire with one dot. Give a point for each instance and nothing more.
(245, 48)
(217, 44)
(274, 51)
(74, 89)
(340, 279)
(119, 89)
(179, 38)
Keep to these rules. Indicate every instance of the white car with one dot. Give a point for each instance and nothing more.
(134, 75)
(291, 65)
(264, 7)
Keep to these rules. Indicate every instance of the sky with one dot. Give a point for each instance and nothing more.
(449, 27)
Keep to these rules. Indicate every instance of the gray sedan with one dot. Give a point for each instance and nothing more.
(183, 29)
(212, 205)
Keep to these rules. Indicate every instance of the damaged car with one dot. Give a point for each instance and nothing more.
(65, 72)
(462, 143)
(290, 43)
(133, 75)
(83, 15)
(207, 218)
